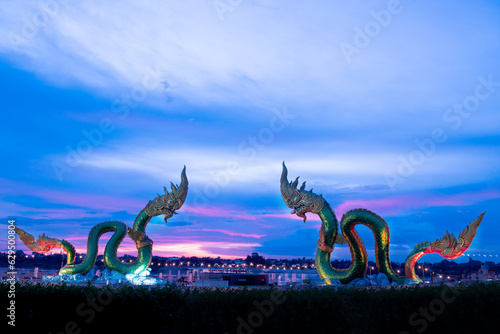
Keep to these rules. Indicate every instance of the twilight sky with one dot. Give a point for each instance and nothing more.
(392, 106)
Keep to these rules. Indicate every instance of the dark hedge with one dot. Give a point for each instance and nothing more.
(125, 309)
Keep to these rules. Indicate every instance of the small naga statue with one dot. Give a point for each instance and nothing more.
(166, 204)
(332, 232)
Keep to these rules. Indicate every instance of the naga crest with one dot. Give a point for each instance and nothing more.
(167, 203)
(300, 200)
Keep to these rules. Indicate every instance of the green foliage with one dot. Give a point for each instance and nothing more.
(49, 308)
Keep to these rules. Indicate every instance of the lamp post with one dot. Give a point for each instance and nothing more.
(423, 273)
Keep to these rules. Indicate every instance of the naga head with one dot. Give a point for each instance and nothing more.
(42, 245)
(300, 200)
(169, 202)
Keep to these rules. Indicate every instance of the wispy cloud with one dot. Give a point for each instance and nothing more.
(394, 206)
(228, 232)
(222, 82)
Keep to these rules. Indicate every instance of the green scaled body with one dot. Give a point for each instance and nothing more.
(359, 264)
(70, 250)
(165, 205)
(111, 260)
(303, 201)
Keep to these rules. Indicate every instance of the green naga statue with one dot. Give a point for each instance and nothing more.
(165, 204)
(332, 232)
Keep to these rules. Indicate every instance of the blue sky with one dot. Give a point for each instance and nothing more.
(389, 106)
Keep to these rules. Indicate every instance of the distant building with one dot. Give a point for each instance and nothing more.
(236, 279)
(485, 273)
(26, 274)
(211, 283)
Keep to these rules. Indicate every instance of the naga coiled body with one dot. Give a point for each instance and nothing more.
(165, 204)
(332, 232)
